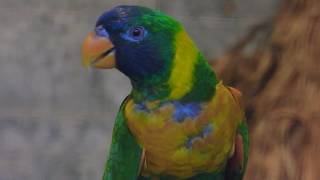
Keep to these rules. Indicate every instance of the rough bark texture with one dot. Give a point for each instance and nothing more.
(277, 68)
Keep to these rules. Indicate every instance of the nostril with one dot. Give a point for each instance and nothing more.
(101, 31)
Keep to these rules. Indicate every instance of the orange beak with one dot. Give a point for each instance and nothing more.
(98, 52)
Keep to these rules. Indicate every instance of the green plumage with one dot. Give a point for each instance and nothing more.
(203, 77)
(179, 121)
(125, 153)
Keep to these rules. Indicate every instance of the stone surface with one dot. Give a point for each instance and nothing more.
(56, 118)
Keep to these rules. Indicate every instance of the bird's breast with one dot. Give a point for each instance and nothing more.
(181, 139)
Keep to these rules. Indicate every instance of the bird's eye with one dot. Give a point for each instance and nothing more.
(135, 34)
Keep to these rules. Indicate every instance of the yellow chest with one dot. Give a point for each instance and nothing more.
(179, 142)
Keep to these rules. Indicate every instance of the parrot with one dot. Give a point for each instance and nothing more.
(178, 121)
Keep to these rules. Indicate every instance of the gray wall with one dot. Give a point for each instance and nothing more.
(56, 117)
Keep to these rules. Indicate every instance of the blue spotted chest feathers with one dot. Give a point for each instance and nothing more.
(184, 137)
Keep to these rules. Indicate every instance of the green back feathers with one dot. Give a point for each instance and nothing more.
(203, 82)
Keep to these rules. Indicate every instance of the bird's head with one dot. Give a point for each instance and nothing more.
(149, 47)
(136, 40)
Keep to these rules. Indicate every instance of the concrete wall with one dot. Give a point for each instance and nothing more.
(56, 118)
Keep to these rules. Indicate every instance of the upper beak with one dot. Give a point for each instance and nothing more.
(98, 52)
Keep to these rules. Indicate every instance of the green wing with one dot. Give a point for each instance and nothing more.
(124, 155)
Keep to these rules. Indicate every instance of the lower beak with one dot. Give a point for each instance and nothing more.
(98, 52)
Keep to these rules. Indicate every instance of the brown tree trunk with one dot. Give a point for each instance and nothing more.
(277, 68)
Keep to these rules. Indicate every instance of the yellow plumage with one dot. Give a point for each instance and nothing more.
(183, 66)
(164, 139)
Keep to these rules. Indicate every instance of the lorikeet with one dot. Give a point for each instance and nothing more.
(179, 121)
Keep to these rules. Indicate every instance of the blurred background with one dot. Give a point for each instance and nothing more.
(56, 117)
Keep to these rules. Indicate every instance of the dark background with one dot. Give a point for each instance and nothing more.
(56, 117)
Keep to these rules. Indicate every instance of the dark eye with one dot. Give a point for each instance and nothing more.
(135, 34)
